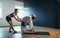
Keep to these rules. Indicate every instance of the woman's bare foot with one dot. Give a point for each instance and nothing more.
(10, 31)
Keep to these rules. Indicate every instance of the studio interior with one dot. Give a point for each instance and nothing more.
(29, 18)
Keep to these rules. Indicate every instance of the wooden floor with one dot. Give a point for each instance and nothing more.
(4, 33)
(54, 33)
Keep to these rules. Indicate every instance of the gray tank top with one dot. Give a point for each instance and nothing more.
(11, 15)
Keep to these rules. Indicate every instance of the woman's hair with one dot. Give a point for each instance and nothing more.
(15, 10)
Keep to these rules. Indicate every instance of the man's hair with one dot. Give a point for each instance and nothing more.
(33, 16)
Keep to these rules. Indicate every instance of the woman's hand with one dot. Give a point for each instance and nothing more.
(20, 20)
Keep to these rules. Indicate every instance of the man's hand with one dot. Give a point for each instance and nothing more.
(33, 30)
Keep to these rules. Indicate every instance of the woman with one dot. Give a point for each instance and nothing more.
(9, 20)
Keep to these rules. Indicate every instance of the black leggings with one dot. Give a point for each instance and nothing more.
(8, 19)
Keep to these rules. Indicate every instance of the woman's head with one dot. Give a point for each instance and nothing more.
(16, 10)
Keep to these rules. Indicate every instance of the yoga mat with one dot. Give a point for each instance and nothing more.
(38, 33)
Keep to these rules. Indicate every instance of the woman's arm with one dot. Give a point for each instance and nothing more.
(20, 19)
(16, 18)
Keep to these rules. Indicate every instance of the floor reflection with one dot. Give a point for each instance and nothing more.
(4, 33)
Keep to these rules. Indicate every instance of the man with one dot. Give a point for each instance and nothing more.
(28, 23)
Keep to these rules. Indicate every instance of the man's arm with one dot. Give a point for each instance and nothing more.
(31, 22)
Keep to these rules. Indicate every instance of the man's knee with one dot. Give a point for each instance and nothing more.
(22, 23)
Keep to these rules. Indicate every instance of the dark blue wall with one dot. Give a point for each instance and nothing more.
(58, 13)
(46, 11)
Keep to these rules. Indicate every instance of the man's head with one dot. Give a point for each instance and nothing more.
(33, 16)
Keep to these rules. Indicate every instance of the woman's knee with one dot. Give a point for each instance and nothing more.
(10, 22)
